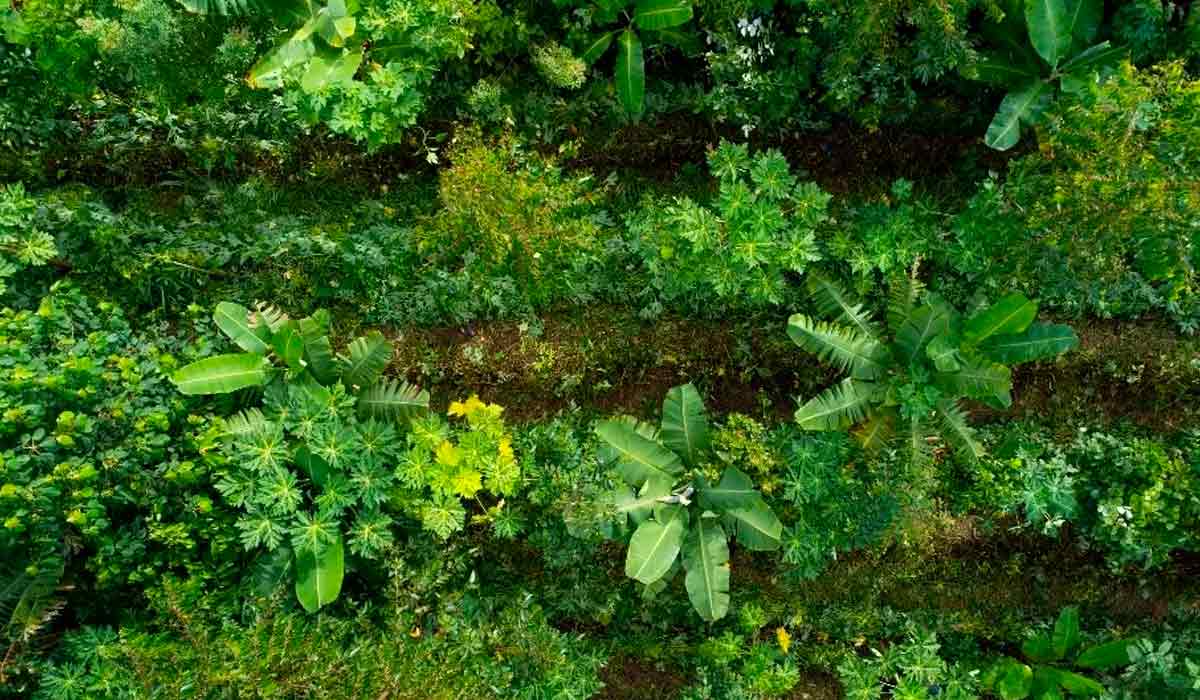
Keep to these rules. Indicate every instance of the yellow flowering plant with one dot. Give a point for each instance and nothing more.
(467, 456)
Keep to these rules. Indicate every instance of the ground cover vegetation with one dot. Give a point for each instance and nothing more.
(692, 349)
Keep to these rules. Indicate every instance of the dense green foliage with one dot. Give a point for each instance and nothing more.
(695, 349)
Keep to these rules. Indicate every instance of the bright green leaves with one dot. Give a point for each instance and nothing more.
(393, 400)
(322, 46)
(1012, 314)
(319, 575)
(330, 68)
(684, 423)
(656, 544)
(630, 74)
(1066, 632)
(1012, 679)
(596, 47)
(235, 322)
(1019, 107)
(222, 374)
(1105, 656)
(1049, 29)
(706, 560)
(638, 459)
(660, 498)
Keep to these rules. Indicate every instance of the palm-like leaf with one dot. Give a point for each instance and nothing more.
(957, 430)
(393, 400)
(1039, 341)
(861, 355)
(903, 296)
(834, 302)
(979, 379)
(838, 407)
(368, 356)
(922, 325)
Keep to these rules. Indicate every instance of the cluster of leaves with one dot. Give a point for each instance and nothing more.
(22, 242)
(103, 487)
(1050, 657)
(662, 470)
(760, 233)
(326, 422)
(444, 464)
(932, 360)
(913, 669)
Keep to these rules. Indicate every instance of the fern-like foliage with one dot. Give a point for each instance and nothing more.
(849, 350)
(838, 407)
(392, 400)
(957, 429)
(834, 302)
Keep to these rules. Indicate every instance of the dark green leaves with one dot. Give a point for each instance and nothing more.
(706, 560)
(1049, 26)
(1105, 656)
(638, 458)
(1066, 632)
(656, 544)
(1021, 106)
(367, 358)
(630, 72)
(596, 47)
(1040, 340)
(838, 407)
(1012, 314)
(661, 14)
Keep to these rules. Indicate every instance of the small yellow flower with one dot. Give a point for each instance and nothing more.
(506, 450)
(784, 639)
(447, 454)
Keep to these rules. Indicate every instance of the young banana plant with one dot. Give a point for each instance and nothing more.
(913, 372)
(672, 507)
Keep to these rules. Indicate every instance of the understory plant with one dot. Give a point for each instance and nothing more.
(912, 373)
(673, 504)
(312, 464)
(1048, 659)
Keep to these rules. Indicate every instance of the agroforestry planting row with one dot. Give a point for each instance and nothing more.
(688, 349)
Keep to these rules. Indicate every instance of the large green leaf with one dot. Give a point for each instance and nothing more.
(293, 52)
(325, 70)
(757, 526)
(367, 357)
(1013, 679)
(1020, 106)
(1012, 69)
(922, 325)
(1049, 28)
(638, 458)
(834, 302)
(391, 399)
(684, 423)
(1039, 649)
(656, 544)
(734, 491)
(844, 347)
(978, 379)
(288, 344)
(661, 14)
(943, 351)
(271, 569)
(1105, 656)
(1066, 632)
(1077, 72)
(706, 560)
(319, 575)
(1083, 22)
(234, 322)
(1039, 341)
(279, 9)
(1078, 685)
(596, 47)
(630, 72)
(1045, 684)
(222, 374)
(838, 407)
(1012, 314)
(318, 351)
(638, 506)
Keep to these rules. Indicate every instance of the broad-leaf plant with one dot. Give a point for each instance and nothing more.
(311, 469)
(911, 373)
(1040, 43)
(1046, 670)
(670, 503)
(627, 23)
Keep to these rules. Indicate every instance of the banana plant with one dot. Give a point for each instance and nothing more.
(655, 19)
(1047, 675)
(915, 369)
(672, 508)
(325, 41)
(1042, 43)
